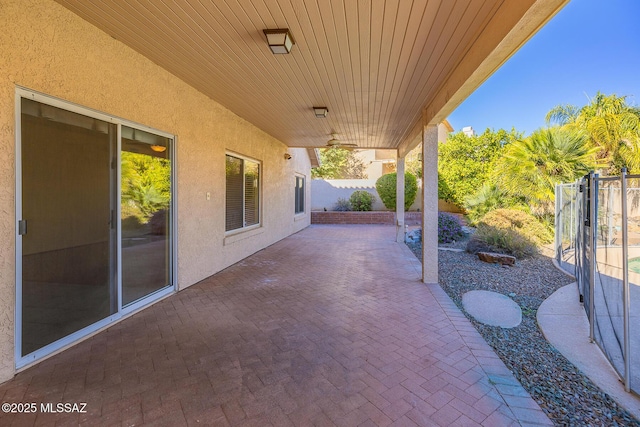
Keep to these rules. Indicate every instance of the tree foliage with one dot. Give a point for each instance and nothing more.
(505, 170)
(146, 185)
(529, 168)
(413, 162)
(465, 162)
(339, 163)
(611, 124)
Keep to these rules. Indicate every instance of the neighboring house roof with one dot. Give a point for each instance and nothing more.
(314, 157)
(447, 125)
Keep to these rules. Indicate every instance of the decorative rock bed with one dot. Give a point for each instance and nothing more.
(566, 395)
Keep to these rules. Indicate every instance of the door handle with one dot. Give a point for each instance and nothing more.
(22, 227)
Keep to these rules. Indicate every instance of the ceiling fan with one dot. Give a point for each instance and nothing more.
(335, 142)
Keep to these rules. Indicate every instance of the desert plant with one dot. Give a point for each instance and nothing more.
(509, 231)
(487, 198)
(342, 205)
(520, 221)
(449, 228)
(503, 240)
(386, 187)
(361, 200)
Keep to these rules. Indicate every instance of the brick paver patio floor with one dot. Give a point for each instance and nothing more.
(330, 326)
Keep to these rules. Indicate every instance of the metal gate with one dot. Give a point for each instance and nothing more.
(598, 240)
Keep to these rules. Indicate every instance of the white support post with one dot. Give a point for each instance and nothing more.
(430, 204)
(400, 200)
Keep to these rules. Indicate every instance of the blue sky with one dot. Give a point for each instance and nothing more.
(589, 46)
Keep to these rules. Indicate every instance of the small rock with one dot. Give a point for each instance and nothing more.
(512, 294)
(495, 258)
(415, 235)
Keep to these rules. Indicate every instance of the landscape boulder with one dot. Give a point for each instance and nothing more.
(496, 258)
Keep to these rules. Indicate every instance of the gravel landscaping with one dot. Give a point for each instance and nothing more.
(566, 395)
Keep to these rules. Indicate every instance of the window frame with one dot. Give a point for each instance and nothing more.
(300, 193)
(244, 227)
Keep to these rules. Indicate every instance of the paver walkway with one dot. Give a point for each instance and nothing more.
(330, 326)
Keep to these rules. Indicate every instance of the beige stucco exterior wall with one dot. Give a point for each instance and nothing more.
(326, 192)
(48, 49)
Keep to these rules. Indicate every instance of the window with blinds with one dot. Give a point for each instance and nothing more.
(243, 193)
(299, 194)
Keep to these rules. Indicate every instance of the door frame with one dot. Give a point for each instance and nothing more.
(22, 362)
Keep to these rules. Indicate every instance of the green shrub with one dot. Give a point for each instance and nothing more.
(449, 228)
(488, 198)
(386, 187)
(520, 221)
(503, 240)
(466, 162)
(361, 200)
(509, 231)
(342, 205)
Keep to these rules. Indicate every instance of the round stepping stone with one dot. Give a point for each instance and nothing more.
(492, 308)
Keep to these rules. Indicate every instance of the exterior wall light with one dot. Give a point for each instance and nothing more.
(321, 112)
(280, 40)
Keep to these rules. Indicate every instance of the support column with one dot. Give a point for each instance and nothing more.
(400, 200)
(430, 204)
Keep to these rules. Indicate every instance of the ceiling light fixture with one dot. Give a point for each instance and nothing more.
(280, 40)
(158, 148)
(321, 112)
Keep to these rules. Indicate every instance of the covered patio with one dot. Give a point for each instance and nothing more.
(329, 326)
(199, 87)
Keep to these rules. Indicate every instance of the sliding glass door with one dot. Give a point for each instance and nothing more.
(94, 222)
(145, 201)
(67, 227)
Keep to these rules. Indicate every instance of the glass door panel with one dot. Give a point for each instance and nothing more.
(68, 236)
(145, 212)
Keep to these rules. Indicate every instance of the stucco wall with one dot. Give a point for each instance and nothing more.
(326, 192)
(48, 49)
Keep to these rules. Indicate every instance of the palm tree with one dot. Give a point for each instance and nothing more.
(488, 198)
(611, 124)
(531, 167)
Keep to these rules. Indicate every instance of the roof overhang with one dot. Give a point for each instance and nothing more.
(383, 69)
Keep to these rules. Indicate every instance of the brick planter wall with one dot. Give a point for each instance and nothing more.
(374, 217)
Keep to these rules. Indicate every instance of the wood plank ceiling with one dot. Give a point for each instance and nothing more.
(376, 64)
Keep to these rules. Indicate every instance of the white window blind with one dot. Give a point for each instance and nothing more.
(242, 193)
